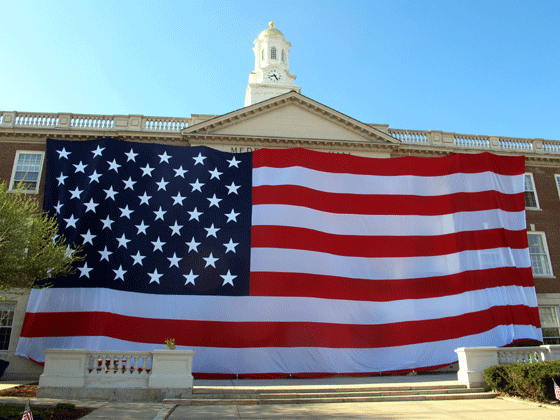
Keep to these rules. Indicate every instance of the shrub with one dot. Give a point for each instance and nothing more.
(65, 406)
(525, 380)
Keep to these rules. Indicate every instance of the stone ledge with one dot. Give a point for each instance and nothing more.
(114, 394)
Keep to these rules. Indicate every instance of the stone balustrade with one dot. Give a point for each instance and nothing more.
(483, 143)
(37, 120)
(113, 375)
(473, 360)
(110, 123)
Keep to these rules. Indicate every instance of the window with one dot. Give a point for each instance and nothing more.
(549, 324)
(538, 250)
(27, 170)
(557, 178)
(273, 53)
(6, 321)
(531, 200)
(262, 54)
(283, 57)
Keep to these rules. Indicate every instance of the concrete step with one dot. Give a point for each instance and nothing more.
(332, 399)
(317, 389)
(326, 394)
(314, 395)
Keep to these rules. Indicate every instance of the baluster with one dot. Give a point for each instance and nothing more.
(112, 366)
(126, 365)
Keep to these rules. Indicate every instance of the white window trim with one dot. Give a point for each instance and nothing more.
(545, 245)
(555, 309)
(9, 306)
(534, 192)
(557, 180)
(14, 169)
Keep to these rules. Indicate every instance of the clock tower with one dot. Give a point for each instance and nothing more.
(271, 76)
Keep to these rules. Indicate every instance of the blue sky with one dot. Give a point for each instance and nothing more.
(478, 67)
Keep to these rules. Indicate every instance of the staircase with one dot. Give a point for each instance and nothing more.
(222, 395)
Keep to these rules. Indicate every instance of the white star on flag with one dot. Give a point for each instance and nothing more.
(228, 278)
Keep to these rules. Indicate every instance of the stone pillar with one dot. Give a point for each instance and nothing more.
(8, 120)
(472, 362)
(171, 369)
(135, 123)
(64, 368)
(122, 122)
(64, 120)
(538, 146)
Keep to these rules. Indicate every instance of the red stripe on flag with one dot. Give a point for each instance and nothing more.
(331, 287)
(386, 204)
(274, 334)
(288, 237)
(408, 165)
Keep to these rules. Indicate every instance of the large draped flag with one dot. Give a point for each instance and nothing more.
(281, 262)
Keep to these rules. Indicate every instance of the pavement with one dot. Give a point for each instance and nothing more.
(496, 408)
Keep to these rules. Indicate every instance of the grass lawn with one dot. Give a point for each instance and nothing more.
(14, 412)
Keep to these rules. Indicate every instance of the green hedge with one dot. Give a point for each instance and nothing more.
(525, 380)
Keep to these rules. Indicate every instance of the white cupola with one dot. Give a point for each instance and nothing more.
(271, 76)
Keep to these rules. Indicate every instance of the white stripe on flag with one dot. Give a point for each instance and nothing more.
(384, 225)
(274, 309)
(390, 185)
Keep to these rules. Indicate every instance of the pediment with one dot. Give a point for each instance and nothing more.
(291, 115)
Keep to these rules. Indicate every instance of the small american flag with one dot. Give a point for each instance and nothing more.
(27, 414)
(556, 390)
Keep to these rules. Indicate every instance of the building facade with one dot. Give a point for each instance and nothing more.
(277, 115)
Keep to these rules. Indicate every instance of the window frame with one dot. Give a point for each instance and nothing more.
(534, 191)
(273, 53)
(546, 253)
(7, 306)
(15, 165)
(551, 339)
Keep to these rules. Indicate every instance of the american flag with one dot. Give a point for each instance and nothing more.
(27, 414)
(282, 262)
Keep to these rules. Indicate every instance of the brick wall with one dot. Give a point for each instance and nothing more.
(547, 220)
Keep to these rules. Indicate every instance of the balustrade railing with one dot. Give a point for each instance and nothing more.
(164, 124)
(551, 146)
(477, 142)
(510, 355)
(473, 360)
(77, 373)
(407, 136)
(134, 123)
(36, 120)
(92, 122)
(465, 141)
(516, 144)
(129, 363)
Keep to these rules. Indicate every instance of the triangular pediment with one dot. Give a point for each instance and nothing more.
(291, 115)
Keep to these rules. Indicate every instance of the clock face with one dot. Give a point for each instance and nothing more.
(274, 76)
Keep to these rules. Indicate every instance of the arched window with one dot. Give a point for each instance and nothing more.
(273, 53)
(283, 56)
